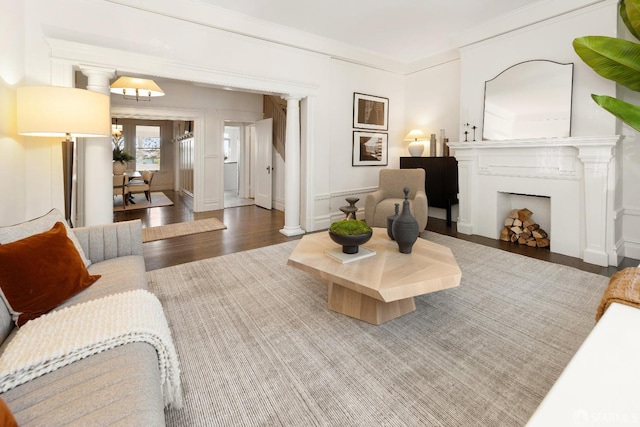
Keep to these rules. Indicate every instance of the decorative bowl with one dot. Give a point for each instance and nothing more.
(350, 243)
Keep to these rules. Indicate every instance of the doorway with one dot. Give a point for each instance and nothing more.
(237, 148)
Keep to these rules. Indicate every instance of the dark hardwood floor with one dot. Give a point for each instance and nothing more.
(250, 227)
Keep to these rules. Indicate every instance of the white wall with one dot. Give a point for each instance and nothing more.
(12, 149)
(550, 39)
(433, 103)
(335, 176)
(218, 57)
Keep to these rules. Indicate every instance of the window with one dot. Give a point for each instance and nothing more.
(148, 148)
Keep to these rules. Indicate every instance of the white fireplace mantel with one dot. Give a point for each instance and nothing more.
(576, 173)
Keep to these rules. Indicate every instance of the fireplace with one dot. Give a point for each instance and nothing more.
(576, 175)
(538, 220)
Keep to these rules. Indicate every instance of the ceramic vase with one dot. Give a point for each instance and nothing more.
(390, 220)
(416, 148)
(119, 167)
(405, 227)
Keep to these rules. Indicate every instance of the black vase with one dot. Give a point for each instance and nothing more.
(390, 220)
(405, 227)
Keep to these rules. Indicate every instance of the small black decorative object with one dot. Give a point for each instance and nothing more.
(390, 220)
(474, 127)
(351, 209)
(405, 227)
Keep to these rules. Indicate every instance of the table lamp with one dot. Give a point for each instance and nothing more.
(415, 147)
(64, 112)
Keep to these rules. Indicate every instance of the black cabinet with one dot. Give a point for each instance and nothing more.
(441, 179)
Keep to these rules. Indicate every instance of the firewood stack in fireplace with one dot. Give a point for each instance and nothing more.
(520, 228)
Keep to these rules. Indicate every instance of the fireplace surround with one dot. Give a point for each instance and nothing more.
(576, 173)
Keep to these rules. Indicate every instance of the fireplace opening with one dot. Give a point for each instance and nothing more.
(524, 219)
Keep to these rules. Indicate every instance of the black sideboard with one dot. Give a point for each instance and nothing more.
(441, 182)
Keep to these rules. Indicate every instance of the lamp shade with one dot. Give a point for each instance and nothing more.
(415, 134)
(58, 111)
(132, 86)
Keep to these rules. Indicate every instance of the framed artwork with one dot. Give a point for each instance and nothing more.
(369, 148)
(370, 112)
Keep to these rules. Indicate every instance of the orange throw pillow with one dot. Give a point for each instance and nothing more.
(40, 272)
(6, 417)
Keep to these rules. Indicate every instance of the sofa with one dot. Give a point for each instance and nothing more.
(117, 386)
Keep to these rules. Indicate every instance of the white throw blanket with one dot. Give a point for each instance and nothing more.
(61, 337)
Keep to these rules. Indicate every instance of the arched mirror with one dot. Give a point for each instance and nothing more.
(531, 99)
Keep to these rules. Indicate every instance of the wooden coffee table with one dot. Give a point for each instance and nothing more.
(381, 287)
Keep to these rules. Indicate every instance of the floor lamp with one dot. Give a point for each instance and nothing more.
(54, 111)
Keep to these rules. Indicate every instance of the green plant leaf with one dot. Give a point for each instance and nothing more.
(630, 14)
(613, 59)
(628, 113)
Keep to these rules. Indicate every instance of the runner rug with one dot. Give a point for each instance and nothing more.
(258, 346)
(181, 229)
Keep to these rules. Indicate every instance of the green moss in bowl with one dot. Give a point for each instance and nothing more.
(350, 233)
(350, 227)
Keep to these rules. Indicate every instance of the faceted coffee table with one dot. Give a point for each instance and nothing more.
(378, 288)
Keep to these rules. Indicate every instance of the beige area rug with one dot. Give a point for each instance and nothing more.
(259, 347)
(157, 199)
(181, 229)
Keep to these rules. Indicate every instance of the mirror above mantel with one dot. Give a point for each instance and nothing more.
(531, 99)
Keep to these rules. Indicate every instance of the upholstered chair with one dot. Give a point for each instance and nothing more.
(142, 186)
(120, 189)
(380, 204)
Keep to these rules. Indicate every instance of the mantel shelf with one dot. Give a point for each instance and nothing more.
(574, 141)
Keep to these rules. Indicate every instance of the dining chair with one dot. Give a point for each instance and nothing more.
(120, 189)
(142, 186)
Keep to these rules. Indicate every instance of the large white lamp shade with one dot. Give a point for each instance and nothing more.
(64, 112)
(58, 111)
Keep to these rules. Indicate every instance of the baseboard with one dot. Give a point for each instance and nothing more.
(631, 248)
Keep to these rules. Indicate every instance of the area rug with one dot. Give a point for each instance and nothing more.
(181, 229)
(157, 199)
(258, 345)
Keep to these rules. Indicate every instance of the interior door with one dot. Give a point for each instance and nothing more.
(264, 168)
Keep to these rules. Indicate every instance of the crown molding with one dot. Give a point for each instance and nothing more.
(529, 15)
(81, 54)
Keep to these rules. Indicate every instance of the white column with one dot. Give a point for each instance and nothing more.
(466, 172)
(98, 160)
(597, 162)
(292, 169)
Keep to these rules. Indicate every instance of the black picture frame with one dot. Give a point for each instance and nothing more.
(370, 112)
(370, 148)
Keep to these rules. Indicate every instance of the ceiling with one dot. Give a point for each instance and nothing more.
(402, 30)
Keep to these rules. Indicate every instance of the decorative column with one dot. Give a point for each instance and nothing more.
(292, 169)
(97, 199)
(466, 157)
(598, 199)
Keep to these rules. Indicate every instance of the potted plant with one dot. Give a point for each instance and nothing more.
(350, 233)
(120, 157)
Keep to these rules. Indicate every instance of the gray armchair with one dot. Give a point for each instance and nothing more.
(380, 204)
